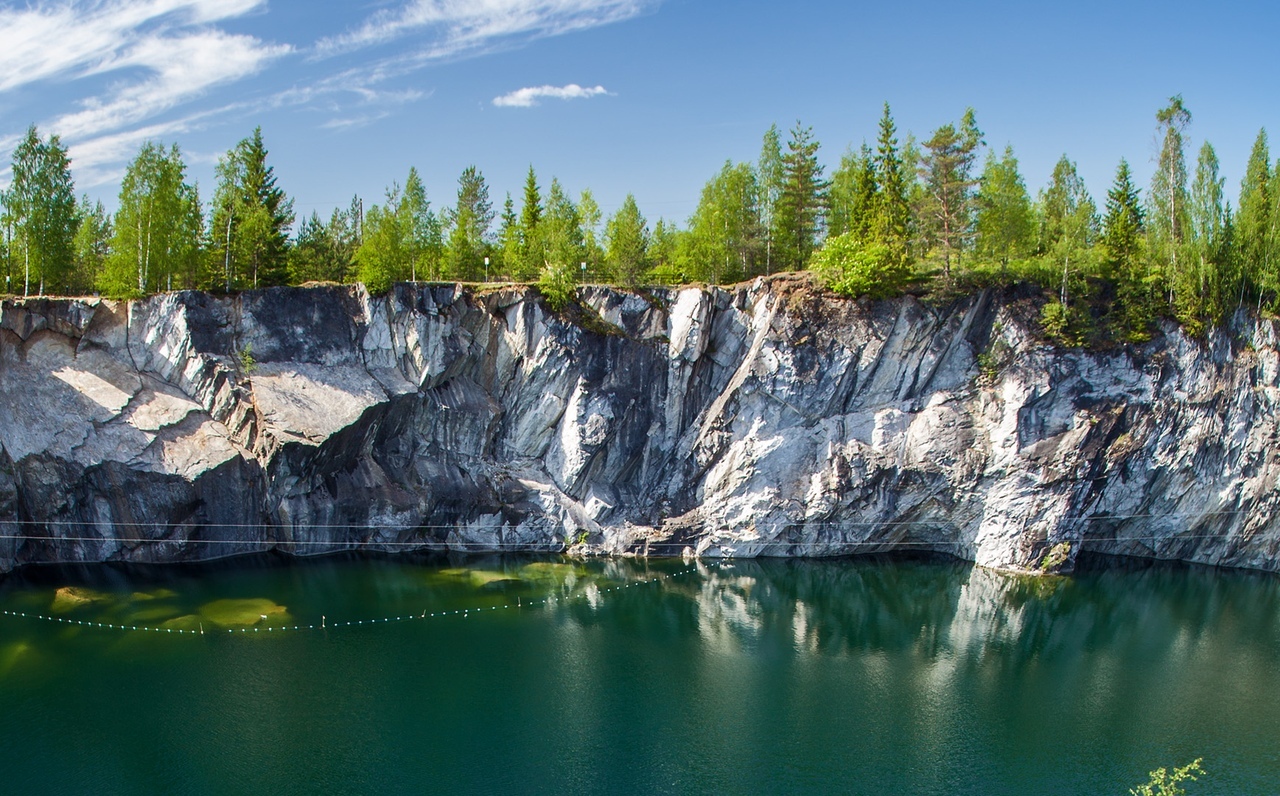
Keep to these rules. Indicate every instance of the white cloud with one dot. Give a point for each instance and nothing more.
(46, 40)
(459, 26)
(528, 97)
(161, 55)
(180, 67)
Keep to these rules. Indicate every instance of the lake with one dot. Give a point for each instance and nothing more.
(864, 675)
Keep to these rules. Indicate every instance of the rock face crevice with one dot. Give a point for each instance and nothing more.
(767, 419)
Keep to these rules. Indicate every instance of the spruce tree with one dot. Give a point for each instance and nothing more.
(799, 213)
(1122, 237)
(532, 250)
(249, 234)
(854, 195)
(893, 210)
(509, 252)
(1253, 221)
(627, 239)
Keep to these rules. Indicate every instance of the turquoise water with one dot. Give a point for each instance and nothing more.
(854, 676)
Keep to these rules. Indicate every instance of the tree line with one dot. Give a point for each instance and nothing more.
(944, 214)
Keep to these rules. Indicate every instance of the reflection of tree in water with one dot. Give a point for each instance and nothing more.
(935, 607)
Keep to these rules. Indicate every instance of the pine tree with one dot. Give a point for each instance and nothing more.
(798, 216)
(627, 238)
(947, 174)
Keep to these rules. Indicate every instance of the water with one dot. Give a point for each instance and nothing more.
(856, 676)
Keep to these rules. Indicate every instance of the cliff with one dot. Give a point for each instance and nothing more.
(763, 420)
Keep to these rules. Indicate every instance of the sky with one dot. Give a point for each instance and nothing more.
(649, 97)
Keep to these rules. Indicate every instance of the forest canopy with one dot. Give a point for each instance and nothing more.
(945, 214)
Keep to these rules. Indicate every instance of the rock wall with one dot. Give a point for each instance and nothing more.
(763, 420)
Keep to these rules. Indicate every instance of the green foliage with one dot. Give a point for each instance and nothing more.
(468, 223)
(1167, 199)
(40, 207)
(1055, 557)
(854, 195)
(946, 170)
(1169, 783)
(769, 170)
(558, 285)
(1254, 243)
(1005, 223)
(590, 216)
(324, 251)
(627, 237)
(798, 212)
(724, 236)
(92, 244)
(251, 217)
(244, 358)
(858, 268)
(158, 227)
(892, 223)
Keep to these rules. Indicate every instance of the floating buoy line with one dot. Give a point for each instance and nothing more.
(325, 624)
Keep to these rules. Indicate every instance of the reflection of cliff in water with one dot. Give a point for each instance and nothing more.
(943, 609)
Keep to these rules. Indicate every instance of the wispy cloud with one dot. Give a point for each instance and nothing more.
(455, 27)
(44, 40)
(528, 97)
(161, 55)
(180, 68)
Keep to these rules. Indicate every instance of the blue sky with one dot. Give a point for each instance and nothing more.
(646, 96)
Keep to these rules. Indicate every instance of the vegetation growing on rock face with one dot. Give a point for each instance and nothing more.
(944, 215)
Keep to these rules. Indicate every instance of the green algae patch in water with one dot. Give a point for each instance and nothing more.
(185, 622)
(149, 615)
(156, 594)
(69, 598)
(244, 612)
(553, 572)
(16, 654)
